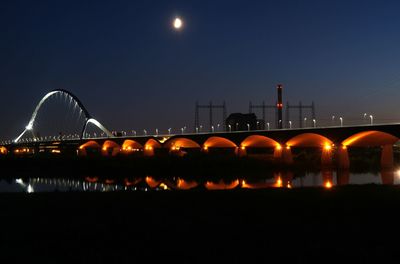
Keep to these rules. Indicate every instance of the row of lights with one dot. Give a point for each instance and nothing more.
(183, 130)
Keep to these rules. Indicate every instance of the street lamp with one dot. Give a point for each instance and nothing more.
(341, 121)
(268, 125)
(230, 128)
(237, 126)
(365, 116)
(315, 122)
(333, 120)
(156, 131)
(169, 131)
(182, 130)
(305, 121)
(197, 130)
(145, 132)
(372, 119)
(212, 129)
(217, 127)
(290, 124)
(258, 123)
(248, 127)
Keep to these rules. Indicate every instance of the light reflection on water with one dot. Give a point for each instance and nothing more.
(287, 179)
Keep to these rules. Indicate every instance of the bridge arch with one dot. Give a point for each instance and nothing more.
(372, 138)
(73, 98)
(219, 144)
(150, 147)
(3, 150)
(260, 142)
(89, 148)
(110, 148)
(310, 140)
(131, 146)
(178, 143)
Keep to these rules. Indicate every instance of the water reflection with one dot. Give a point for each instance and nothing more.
(282, 179)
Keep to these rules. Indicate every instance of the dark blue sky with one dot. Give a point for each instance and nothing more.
(133, 71)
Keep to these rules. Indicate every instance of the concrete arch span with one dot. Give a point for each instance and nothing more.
(220, 145)
(150, 147)
(90, 147)
(177, 143)
(371, 138)
(129, 146)
(3, 150)
(110, 148)
(257, 142)
(310, 140)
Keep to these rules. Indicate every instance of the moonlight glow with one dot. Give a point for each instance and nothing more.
(178, 23)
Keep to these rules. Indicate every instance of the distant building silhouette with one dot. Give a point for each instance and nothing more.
(243, 122)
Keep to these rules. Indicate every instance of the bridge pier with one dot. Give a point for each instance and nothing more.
(326, 157)
(242, 152)
(278, 153)
(387, 176)
(343, 158)
(287, 156)
(387, 156)
(343, 176)
(327, 178)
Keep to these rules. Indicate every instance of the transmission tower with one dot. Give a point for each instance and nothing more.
(210, 107)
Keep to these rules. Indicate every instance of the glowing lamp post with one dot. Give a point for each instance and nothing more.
(169, 131)
(341, 121)
(314, 122)
(290, 124)
(333, 120)
(248, 127)
(371, 119)
(212, 129)
(305, 121)
(230, 128)
(268, 125)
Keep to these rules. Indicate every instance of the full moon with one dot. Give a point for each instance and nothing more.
(178, 23)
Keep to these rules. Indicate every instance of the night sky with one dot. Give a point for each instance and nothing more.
(132, 70)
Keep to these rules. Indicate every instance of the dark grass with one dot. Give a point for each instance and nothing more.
(350, 224)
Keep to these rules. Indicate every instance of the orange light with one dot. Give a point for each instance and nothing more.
(344, 147)
(279, 182)
(205, 147)
(328, 185)
(287, 147)
(278, 147)
(289, 186)
(243, 147)
(104, 148)
(327, 147)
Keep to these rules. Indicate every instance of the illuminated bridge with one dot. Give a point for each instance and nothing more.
(332, 143)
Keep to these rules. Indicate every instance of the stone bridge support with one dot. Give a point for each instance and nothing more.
(387, 156)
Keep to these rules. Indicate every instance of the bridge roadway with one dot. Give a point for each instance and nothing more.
(331, 140)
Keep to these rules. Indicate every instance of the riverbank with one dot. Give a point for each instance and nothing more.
(352, 223)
